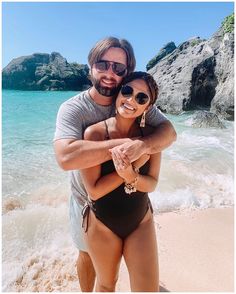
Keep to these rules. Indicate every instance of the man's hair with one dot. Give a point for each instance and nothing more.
(151, 83)
(102, 46)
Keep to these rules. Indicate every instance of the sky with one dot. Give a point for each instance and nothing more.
(72, 28)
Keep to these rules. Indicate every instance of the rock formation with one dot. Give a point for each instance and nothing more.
(42, 71)
(198, 74)
(206, 119)
(167, 49)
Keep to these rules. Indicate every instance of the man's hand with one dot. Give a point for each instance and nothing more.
(128, 152)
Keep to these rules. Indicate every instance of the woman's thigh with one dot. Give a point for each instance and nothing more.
(141, 257)
(105, 250)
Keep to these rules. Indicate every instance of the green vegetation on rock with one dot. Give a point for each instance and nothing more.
(167, 49)
(195, 42)
(228, 24)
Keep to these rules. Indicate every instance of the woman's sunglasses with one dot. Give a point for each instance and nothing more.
(127, 91)
(118, 68)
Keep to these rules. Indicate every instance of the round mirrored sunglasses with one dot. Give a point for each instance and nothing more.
(140, 97)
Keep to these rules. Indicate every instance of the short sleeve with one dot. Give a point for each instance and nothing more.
(69, 123)
(154, 116)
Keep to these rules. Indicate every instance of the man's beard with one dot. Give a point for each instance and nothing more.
(105, 91)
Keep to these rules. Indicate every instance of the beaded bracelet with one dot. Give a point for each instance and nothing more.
(131, 187)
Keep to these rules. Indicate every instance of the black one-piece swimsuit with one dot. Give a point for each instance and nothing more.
(119, 211)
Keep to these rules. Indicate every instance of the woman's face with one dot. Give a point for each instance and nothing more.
(133, 99)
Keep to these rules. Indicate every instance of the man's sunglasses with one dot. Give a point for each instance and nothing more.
(118, 68)
(127, 91)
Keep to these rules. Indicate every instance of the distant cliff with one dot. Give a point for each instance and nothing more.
(198, 74)
(41, 71)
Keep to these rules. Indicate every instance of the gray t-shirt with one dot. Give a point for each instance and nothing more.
(79, 112)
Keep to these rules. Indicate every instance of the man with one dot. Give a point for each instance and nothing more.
(110, 61)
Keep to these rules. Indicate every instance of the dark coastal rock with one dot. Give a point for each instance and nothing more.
(167, 49)
(42, 71)
(174, 75)
(223, 101)
(206, 119)
(198, 74)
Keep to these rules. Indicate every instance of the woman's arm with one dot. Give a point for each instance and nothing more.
(148, 183)
(145, 183)
(97, 185)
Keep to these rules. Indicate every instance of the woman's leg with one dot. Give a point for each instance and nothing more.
(105, 250)
(141, 257)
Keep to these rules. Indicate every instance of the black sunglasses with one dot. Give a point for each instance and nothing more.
(118, 68)
(141, 98)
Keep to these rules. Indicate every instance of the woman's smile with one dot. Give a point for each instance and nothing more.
(128, 107)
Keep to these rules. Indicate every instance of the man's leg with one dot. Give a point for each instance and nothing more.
(85, 271)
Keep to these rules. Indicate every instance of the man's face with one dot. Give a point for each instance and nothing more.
(107, 82)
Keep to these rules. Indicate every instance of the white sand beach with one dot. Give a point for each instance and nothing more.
(196, 251)
(196, 254)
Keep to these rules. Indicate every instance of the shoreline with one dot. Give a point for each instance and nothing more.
(196, 254)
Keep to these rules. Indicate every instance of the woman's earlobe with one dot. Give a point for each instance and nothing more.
(149, 107)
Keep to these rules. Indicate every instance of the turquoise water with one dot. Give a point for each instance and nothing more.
(27, 133)
(196, 172)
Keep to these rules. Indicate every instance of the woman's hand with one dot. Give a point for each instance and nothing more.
(124, 169)
(130, 151)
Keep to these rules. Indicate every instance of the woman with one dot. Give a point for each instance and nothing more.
(121, 220)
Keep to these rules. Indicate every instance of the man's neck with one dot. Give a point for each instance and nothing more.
(98, 98)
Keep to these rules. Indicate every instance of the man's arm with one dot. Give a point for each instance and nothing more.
(72, 152)
(79, 154)
(161, 138)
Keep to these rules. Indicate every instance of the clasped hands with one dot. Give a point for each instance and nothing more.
(128, 155)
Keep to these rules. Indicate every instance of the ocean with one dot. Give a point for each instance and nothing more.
(196, 172)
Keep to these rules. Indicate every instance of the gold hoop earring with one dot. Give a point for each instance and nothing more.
(142, 123)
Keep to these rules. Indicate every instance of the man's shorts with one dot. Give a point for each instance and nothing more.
(76, 224)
